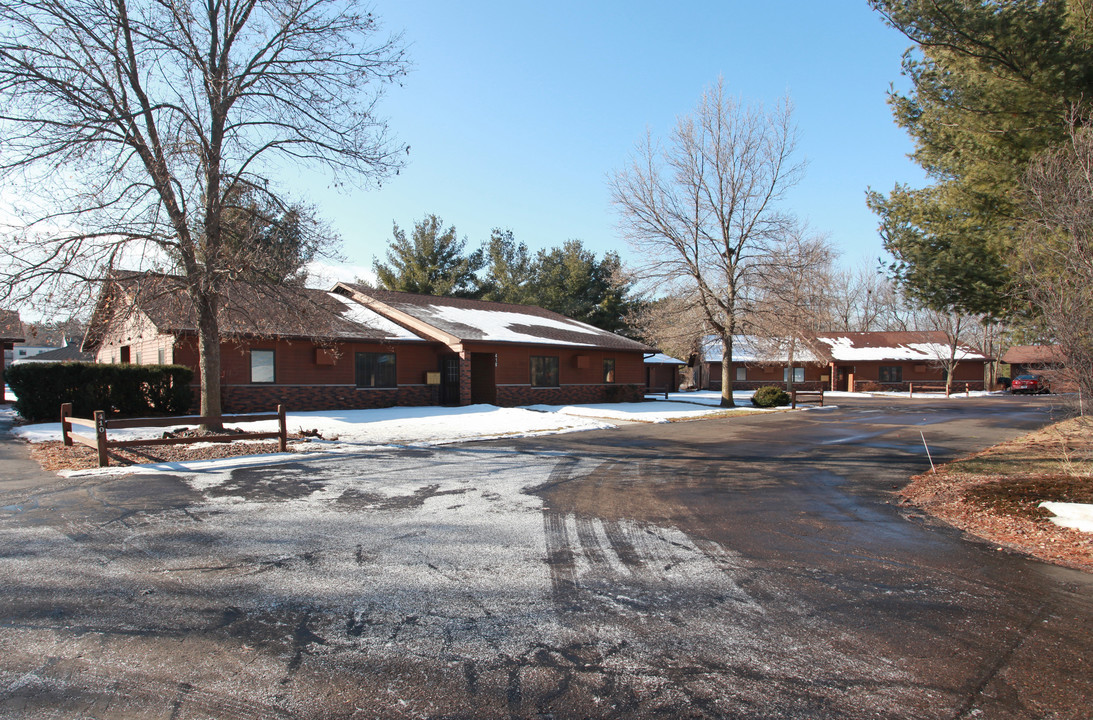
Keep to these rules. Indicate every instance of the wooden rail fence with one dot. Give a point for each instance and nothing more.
(101, 425)
(935, 388)
(805, 396)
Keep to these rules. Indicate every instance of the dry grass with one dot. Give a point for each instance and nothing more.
(995, 494)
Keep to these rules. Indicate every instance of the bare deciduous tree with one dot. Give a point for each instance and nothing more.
(958, 329)
(1057, 250)
(702, 210)
(792, 294)
(134, 123)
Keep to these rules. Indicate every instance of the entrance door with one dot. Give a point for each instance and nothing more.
(483, 378)
(449, 379)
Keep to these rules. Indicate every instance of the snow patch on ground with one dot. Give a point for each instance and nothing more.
(1078, 516)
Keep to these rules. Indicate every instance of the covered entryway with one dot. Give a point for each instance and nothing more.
(842, 379)
(483, 378)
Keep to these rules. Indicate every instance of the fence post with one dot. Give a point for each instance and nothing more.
(66, 427)
(100, 437)
(967, 390)
(821, 397)
(910, 390)
(282, 438)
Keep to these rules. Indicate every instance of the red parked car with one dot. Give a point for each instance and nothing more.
(1030, 384)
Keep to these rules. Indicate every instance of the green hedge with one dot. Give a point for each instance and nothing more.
(131, 390)
(770, 396)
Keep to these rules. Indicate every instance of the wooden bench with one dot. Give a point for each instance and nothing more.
(805, 396)
(101, 425)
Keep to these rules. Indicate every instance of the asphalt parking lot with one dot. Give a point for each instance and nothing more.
(755, 567)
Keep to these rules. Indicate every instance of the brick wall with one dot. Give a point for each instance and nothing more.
(300, 398)
(515, 395)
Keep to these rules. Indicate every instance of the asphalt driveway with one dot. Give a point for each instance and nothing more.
(751, 568)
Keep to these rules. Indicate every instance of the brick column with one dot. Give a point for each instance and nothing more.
(464, 377)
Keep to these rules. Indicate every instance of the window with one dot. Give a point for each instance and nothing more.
(140, 357)
(798, 375)
(544, 371)
(160, 356)
(741, 373)
(375, 370)
(609, 370)
(890, 374)
(261, 366)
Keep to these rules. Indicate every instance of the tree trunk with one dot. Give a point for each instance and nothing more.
(726, 372)
(208, 348)
(789, 371)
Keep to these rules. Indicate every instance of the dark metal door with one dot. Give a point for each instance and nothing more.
(449, 380)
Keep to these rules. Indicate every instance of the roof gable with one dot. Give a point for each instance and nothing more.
(246, 310)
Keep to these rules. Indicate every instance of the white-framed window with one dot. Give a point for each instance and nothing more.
(741, 373)
(798, 374)
(262, 366)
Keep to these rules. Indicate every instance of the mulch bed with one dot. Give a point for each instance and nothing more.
(54, 456)
(1003, 508)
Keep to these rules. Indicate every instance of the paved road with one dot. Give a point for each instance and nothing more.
(751, 568)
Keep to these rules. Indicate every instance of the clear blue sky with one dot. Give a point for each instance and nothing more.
(517, 113)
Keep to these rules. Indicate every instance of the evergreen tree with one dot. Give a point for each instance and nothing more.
(571, 281)
(432, 261)
(509, 269)
(992, 85)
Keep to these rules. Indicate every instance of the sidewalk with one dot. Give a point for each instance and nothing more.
(17, 470)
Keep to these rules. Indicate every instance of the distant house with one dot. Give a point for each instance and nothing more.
(662, 373)
(71, 352)
(1030, 359)
(843, 361)
(757, 362)
(356, 347)
(894, 360)
(11, 332)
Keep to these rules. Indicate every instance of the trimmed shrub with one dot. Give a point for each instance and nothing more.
(770, 396)
(129, 390)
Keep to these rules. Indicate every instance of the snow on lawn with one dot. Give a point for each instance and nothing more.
(653, 410)
(386, 426)
(1071, 515)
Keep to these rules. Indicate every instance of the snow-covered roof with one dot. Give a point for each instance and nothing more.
(483, 321)
(662, 359)
(906, 346)
(841, 347)
(753, 349)
(365, 317)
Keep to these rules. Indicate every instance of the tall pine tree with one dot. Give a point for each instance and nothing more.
(993, 83)
(432, 261)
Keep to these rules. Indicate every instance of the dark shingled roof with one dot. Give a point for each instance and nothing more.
(247, 310)
(68, 353)
(484, 321)
(1034, 355)
(11, 329)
